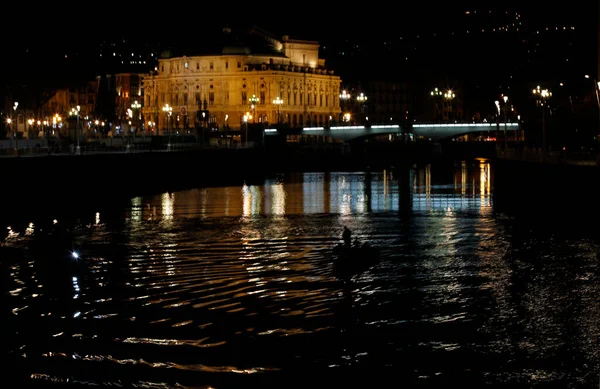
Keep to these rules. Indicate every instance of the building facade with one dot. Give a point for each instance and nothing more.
(255, 78)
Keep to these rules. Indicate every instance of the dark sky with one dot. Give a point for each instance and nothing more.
(58, 24)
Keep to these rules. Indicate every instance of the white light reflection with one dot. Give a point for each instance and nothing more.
(137, 213)
(167, 208)
(11, 234)
(251, 199)
(75, 288)
(97, 219)
(30, 229)
(313, 193)
(278, 202)
(246, 200)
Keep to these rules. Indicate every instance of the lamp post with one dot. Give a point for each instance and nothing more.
(56, 124)
(505, 98)
(344, 97)
(136, 109)
(362, 99)
(168, 110)
(542, 96)
(278, 101)
(30, 122)
(435, 94)
(597, 92)
(16, 128)
(449, 95)
(245, 117)
(9, 122)
(75, 112)
(254, 100)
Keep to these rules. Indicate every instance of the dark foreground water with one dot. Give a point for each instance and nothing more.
(233, 287)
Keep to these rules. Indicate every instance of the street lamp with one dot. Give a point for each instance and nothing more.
(362, 99)
(168, 110)
(505, 98)
(254, 100)
(542, 95)
(344, 97)
(448, 96)
(436, 95)
(136, 108)
(278, 101)
(30, 122)
(75, 112)
(245, 117)
(596, 90)
(9, 122)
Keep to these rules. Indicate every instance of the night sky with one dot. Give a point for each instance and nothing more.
(56, 26)
(39, 40)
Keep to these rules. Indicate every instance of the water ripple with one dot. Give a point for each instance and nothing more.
(200, 286)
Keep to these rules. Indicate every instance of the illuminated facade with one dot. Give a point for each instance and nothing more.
(128, 88)
(256, 78)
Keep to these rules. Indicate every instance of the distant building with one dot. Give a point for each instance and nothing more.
(235, 78)
(389, 101)
(63, 100)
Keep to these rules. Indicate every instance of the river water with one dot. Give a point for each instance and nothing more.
(233, 287)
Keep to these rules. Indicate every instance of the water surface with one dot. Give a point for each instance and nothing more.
(234, 287)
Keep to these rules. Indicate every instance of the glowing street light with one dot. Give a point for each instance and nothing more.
(542, 96)
(168, 110)
(136, 109)
(505, 98)
(245, 118)
(344, 97)
(254, 100)
(278, 101)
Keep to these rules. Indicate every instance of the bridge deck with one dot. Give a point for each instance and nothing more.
(433, 131)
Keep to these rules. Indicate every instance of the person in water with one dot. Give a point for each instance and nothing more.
(347, 236)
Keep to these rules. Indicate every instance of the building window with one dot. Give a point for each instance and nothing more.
(197, 65)
(185, 99)
(186, 65)
(244, 98)
(198, 98)
(211, 98)
(262, 98)
(239, 64)
(226, 65)
(212, 66)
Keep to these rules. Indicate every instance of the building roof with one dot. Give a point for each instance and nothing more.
(251, 41)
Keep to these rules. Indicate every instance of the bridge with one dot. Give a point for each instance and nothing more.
(431, 131)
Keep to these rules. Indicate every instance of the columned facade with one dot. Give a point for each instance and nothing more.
(286, 85)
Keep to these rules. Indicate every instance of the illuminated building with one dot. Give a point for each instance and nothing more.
(232, 76)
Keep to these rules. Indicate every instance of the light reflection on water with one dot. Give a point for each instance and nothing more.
(233, 286)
